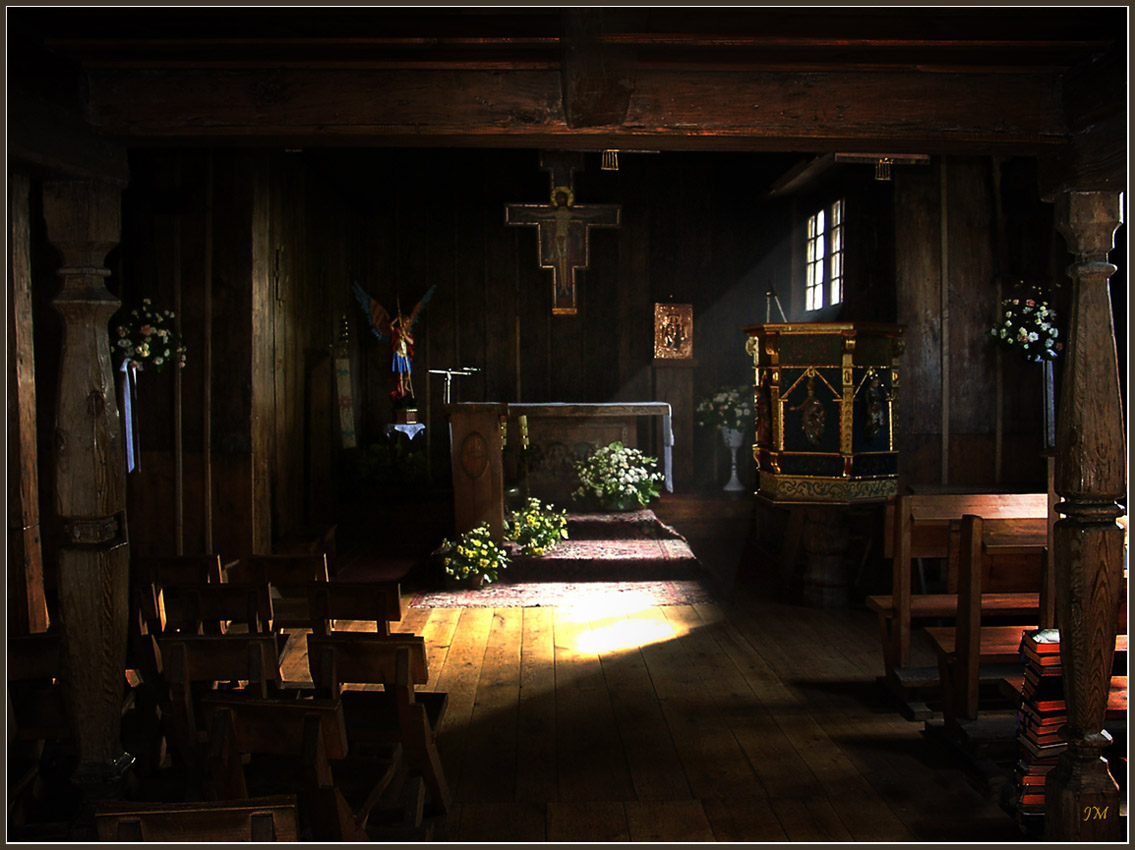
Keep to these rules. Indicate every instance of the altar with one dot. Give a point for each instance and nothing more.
(532, 448)
(553, 436)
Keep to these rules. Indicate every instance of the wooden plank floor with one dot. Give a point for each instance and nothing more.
(743, 720)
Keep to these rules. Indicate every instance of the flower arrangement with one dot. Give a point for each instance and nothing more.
(615, 477)
(536, 527)
(729, 407)
(147, 337)
(1028, 325)
(474, 557)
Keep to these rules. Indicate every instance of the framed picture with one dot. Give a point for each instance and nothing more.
(674, 331)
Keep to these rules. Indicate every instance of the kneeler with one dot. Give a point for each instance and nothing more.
(300, 746)
(397, 713)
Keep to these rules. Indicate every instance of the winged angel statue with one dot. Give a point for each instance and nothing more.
(399, 329)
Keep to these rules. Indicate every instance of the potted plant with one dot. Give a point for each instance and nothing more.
(474, 558)
(536, 527)
(617, 478)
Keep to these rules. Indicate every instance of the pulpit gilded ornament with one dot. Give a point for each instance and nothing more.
(824, 397)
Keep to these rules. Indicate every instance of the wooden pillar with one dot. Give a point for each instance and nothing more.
(83, 219)
(475, 435)
(1081, 797)
(27, 609)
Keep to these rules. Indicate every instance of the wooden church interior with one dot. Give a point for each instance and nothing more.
(855, 673)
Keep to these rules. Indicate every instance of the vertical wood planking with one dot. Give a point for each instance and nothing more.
(27, 608)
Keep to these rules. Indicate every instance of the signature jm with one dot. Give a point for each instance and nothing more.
(1095, 813)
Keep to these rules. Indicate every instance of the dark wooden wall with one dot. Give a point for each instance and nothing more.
(278, 236)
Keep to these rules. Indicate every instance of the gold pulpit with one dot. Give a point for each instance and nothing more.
(824, 398)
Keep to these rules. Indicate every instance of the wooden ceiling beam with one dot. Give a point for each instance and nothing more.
(597, 79)
(667, 110)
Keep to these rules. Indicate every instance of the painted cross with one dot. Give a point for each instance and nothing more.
(563, 227)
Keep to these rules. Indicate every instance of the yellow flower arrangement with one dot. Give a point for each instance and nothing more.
(147, 336)
(536, 527)
(474, 555)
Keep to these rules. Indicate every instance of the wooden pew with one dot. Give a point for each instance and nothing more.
(216, 608)
(962, 650)
(397, 713)
(194, 664)
(260, 819)
(258, 744)
(366, 602)
(927, 526)
(289, 576)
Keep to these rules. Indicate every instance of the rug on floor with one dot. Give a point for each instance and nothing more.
(624, 595)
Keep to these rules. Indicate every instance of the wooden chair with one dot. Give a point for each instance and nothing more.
(195, 664)
(289, 576)
(216, 608)
(259, 819)
(367, 602)
(965, 649)
(177, 569)
(258, 744)
(398, 712)
(928, 526)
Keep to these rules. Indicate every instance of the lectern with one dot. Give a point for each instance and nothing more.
(477, 433)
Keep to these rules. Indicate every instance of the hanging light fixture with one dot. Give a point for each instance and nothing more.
(884, 161)
(610, 160)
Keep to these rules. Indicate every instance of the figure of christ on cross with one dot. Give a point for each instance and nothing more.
(564, 243)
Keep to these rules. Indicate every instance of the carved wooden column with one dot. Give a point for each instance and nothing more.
(90, 478)
(1081, 797)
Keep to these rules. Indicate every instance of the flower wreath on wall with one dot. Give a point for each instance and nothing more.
(144, 337)
(1028, 325)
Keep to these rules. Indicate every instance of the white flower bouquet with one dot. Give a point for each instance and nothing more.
(615, 477)
(1028, 325)
(147, 337)
(729, 407)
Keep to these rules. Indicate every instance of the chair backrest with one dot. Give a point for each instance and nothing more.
(930, 515)
(281, 569)
(211, 607)
(257, 819)
(364, 658)
(276, 726)
(252, 658)
(177, 569)
(376, 602)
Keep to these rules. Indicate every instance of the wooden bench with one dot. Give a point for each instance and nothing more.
(398, 713)
(261, 819)
(289, 576)
(193, 664)
(928, 526)
(215, 608)
(364, 602)
(259, 744)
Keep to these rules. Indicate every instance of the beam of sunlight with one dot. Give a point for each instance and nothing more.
(626, 634)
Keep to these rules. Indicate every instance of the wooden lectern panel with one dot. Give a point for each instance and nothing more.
(475, 441)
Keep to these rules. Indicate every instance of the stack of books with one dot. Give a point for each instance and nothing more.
(1043, 712)
(1039, 719)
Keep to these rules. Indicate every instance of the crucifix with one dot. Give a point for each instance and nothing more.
(563, 227)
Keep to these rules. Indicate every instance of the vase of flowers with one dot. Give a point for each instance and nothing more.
(730, 410)
(536, 527)
(474, 558)
(146, 337)
(1028, 326)
(617, 478)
